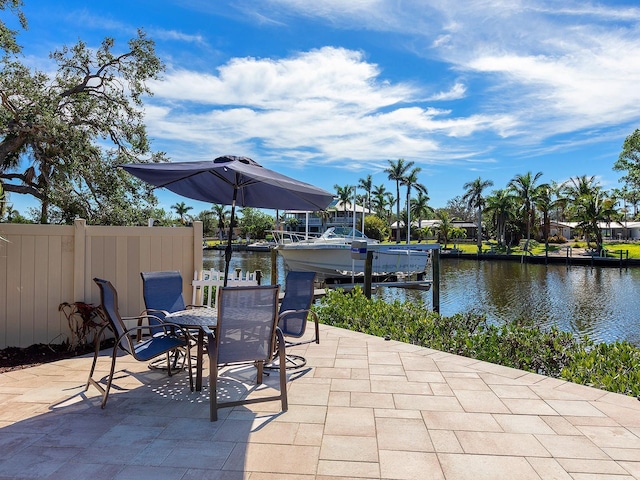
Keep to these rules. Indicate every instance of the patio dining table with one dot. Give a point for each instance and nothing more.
(202, 319)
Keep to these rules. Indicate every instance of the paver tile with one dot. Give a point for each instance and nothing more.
(363, 408)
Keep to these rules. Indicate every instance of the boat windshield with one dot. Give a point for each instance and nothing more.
(343, 232)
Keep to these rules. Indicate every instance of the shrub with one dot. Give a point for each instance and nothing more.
(376, 228)
(557, 239)
(609, 366)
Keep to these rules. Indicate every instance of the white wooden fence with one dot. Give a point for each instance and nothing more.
(205, 281)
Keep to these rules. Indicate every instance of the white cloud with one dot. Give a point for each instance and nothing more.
(522, 71)
(324, 105)
(455, 93)
(176, 35)
(558, 67)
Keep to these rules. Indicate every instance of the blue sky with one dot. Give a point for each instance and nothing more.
(328, 91)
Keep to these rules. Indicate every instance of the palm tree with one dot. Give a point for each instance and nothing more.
(181, 210)
(524, 186)
(366, 184)
(381, 199)
(590, 209)
(223, 215)
(560, 202)
(344, 195)
(623, 194)
(205, 217)
(420, 209)
(3, 201)
(501, 205)
(410, 180)
(397, 171)
(581, 185)
(445, 227)
(324, 216)
(473, 197)
(543, 199)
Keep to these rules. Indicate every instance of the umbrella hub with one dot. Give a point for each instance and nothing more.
(233, 158)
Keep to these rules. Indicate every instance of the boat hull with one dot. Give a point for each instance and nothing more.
(336, 261)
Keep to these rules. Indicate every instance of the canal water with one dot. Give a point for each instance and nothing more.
(601, 302)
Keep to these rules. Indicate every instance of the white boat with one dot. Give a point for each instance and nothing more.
(329, 255)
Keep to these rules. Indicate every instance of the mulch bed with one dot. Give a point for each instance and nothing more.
(14, 358)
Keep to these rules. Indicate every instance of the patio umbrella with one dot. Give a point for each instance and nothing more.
(235, 181)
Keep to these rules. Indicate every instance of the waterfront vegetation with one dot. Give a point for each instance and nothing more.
(613, 367)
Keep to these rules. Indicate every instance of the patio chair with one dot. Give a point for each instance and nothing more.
(246, 333)
(162, 293)
(171, 338)
(294, 314)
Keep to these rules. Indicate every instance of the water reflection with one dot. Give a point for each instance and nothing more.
(600, 302)
(247, 262)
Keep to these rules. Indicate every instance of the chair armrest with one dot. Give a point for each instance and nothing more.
(146, 313)
(152, 311)
(291, 312)
(167, 327)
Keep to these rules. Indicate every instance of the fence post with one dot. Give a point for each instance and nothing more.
(79, 261)
(197, 246)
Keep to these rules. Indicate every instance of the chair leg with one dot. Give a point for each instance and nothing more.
(113, 368)
(189, 366)
(96, 353)
(213, 395)
(93, 368)
(283, 372)
(317, 331)
(259, 366)
(169, 372)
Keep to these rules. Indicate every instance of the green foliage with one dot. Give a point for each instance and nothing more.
(58, 125)
(629, 160)
(8, 44)
(458, 232)
(517, 344)
(609, 366)
(255, 223)
(376, 228)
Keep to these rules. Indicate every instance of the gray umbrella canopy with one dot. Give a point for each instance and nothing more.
(231, 180)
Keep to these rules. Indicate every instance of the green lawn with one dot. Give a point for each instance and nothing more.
(613, 249)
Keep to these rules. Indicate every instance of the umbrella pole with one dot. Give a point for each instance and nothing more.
(228, 251)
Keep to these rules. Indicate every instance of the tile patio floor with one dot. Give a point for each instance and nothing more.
(365, 408)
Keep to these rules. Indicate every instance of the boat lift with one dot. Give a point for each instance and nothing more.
(359, 252)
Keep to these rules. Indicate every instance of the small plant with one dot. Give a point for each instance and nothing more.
(83, 319)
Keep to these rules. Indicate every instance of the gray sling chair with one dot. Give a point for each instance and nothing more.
(246, 333)
(294, 313)
(168, 339)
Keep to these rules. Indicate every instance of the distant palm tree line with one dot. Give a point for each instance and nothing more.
(524, 208)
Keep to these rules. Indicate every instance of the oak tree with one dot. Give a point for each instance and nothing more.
(62, 135)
